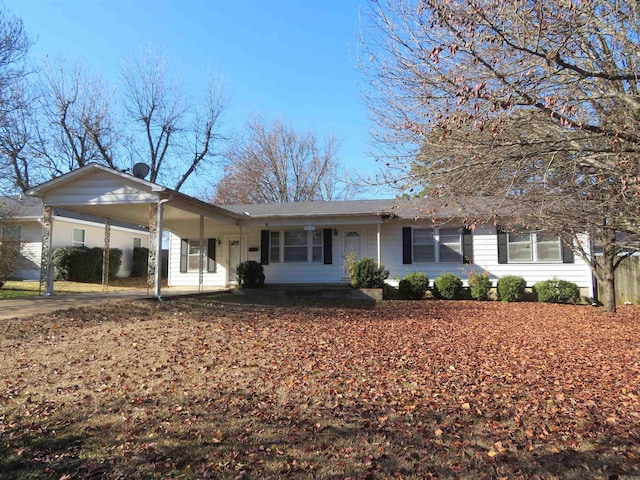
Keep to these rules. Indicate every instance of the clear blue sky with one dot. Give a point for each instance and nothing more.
(294, 59)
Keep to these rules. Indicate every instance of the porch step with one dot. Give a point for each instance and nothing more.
(337, 291)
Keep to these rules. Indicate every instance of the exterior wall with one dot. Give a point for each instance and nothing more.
(121, 238)
(31, 243)
(485, 259)
(30, 251)
(485, 255)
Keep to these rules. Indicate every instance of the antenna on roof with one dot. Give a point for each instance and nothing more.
(140, 170)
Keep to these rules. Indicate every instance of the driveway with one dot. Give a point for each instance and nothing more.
(27, 306)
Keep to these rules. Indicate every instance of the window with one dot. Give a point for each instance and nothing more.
(437, 245)
(274, 247)
(137, 242)
(11, 233)
(78, 237)
(190, 255)
(533, 247)
(450, 245)
(297, 246)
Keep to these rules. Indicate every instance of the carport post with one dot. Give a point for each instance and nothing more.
(46, 269)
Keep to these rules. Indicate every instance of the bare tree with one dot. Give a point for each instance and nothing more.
(14, 112)
(177, 138)
(536, 102)
(77, 124)
(272, 163)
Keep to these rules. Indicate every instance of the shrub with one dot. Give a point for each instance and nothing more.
(557, 291)
(366, 274)
(82, 264)
(447, 286)
(511, 288)
(413, 286)
(479, 286)
(9, 259)
(250, 274)
(140, 265)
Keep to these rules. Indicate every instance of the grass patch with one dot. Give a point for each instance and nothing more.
(210, 388)
(17, 289)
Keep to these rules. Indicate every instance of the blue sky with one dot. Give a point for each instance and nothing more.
(281, 58)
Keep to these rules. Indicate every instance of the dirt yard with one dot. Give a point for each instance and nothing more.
(218, 387)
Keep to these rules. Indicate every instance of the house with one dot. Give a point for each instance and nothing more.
(72, 229)
(308, 243)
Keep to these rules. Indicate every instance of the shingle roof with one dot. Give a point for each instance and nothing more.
(401, 208)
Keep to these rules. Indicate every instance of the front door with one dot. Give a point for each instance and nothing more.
(234, 260)
(351, 251)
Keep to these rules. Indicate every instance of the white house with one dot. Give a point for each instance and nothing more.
(72, 229)
(307, 243)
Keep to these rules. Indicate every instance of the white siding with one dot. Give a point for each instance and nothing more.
(485, 259)
(485, 253)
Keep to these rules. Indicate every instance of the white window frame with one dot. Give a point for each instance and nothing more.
(4, 236)
(533, 244)
(314, 244)
(195, 255)
(436, 243)
(137, 242)
(77, 243)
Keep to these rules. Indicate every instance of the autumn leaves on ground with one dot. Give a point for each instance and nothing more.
(220, 387)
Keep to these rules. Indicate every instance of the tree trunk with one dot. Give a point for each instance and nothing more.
(607, 272)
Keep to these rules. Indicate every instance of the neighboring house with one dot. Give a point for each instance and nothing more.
(308, 243)
(71, 229)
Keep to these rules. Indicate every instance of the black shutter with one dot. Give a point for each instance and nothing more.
(211, 255)
(406, 245)
(467, 246)
(327, 242)
(567, 254)
(502, 246)
(264, 247)
(184, 254)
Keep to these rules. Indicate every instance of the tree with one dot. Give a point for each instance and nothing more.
(272, 163)
(9, 244)
(14, 130)
(77, 125)
(177, 138)
(534, 102)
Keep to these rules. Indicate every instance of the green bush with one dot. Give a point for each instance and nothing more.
(366, 274)
(557, 291)
(140, 265)
(511, 288)
(9, 259)
(250, 274)
(447, 286)
(83, 264)
(413, 286)
(479, 286)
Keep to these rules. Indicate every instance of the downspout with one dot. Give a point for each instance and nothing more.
(158, 278)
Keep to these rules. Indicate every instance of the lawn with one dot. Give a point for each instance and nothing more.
(18, 289)
(214, 387)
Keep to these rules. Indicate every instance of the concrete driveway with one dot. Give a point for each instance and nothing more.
(27, 306)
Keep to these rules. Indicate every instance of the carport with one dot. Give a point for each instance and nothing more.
(114, 195)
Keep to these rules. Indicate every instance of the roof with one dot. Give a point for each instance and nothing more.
(30, 208)
(397, 208)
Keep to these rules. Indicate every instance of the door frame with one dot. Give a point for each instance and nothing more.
(226, 240)
(343, 242)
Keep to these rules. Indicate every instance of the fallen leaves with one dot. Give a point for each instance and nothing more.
(204, 388)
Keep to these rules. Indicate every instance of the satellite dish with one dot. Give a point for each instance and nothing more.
(140, 170)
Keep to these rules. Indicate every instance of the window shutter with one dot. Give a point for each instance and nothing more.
(184, 254)
(327, 242)
(406, 245)
(211, 255)
(567, 254)
(502, 245)
(467, 245)
(264, 247)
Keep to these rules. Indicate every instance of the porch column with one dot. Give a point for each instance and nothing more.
(201, 257)
(46, 269)
(153, 246)
(240, 244)
(378, 250)
(105, 254)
